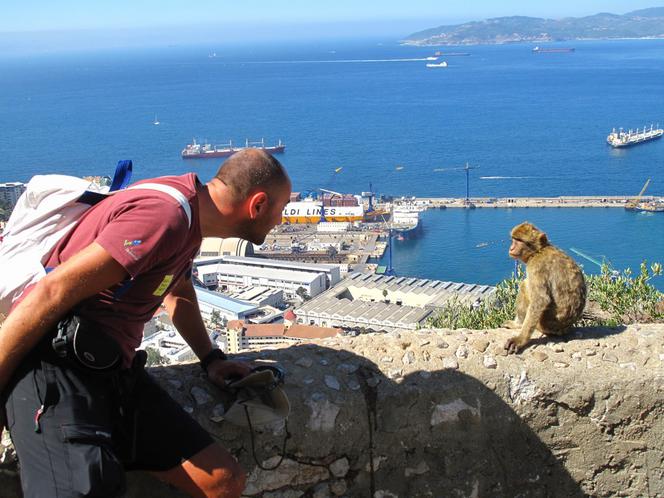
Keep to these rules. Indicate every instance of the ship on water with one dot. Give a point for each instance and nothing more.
(552, 50)
(196, 150)
(437, 64)
(405, 220)
(622, 138)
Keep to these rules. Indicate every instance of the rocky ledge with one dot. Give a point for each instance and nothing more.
(447, 413)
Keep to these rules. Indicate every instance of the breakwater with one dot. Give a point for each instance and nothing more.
(597, 201)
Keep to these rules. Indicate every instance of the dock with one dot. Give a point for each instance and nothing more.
(600, 201)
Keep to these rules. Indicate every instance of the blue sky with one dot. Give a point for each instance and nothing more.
(38, 15)
(47, 26)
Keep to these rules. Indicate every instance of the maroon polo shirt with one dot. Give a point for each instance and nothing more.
(147, 232)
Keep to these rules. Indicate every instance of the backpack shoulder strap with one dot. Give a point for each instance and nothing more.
(173, 192)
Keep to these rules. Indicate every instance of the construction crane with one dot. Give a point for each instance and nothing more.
(634, 203)
(467, 169)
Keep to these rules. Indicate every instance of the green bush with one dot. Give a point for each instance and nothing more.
(621, 298)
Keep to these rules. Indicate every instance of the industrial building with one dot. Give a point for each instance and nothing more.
(232, 272)
(380, 302)
(241, 335)
(229, 308)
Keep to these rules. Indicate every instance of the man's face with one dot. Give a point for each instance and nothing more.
(257, 229)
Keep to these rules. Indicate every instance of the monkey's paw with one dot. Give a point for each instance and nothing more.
(514, 345)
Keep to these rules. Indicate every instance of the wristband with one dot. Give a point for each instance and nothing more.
(214, 354)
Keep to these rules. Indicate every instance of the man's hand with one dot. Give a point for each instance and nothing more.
(221, 371)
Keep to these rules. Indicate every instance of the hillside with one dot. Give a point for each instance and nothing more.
(644, 23)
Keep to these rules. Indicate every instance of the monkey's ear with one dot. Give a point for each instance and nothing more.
(542, 240)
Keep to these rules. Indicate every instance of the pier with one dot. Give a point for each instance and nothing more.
(599, 201)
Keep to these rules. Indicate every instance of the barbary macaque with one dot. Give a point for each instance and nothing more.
(553, 295)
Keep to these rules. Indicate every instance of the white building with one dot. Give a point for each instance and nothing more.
(379, 302)
(331, 272)
(242, 335)
(227, 307)
(260, 296)
(229, 276)
(10, 192)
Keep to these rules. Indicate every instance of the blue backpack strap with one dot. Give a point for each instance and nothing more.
(121, 179)
(122, 175)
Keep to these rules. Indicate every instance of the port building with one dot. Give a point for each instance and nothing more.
(386, 303)
(241, 335)
(233, 272)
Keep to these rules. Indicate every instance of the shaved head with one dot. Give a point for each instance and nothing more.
(251, 170)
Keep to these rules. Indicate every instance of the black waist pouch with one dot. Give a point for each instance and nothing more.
(84, 344)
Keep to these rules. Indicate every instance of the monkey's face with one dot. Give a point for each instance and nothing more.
(519, 250)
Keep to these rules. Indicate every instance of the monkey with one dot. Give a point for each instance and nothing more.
(553, 295)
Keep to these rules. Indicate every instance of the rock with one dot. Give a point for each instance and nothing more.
(323, 413)
(308, 380)
(338, 487)
(450, 362)
(348, 368)
(442, 345)
(480, 345)
(321, 491)
(576, 355)
(449, 412)
(560, 364)
(382, 493)
(332, 382)
(610, 357)
(590, 352)
(353, 385)
(489, 361)
(395, 373)
(408, 358)
(540, 355)
(201, 396)
(377, 461)
(422, 468)
(290, 474)
(424, 342)
(340, 467)
(189, 409)
(304, 362)
(462, 351)
(521, 389)
(558, 348)
(324, 362)
(631, 365)
(425, 374)
(175, 383)
(426, 356)
(386, 359)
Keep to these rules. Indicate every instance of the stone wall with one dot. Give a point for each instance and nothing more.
(442, 413)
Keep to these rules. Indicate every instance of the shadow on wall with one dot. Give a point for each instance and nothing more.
(438, 433)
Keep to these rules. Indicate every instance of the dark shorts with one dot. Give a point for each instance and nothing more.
(82, 444)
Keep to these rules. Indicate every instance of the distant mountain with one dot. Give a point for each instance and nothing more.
(644, 23)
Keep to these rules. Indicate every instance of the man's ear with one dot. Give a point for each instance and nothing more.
(258, 204)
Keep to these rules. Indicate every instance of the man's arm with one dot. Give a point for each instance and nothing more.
(182, 306)
(83, 275)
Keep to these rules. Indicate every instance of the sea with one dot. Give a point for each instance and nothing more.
(530, 124)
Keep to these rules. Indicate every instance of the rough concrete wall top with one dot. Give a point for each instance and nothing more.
(441, 413)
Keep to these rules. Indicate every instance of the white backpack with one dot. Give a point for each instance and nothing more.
(48, 209)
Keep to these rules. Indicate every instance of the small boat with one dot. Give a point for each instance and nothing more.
(156, 122)
(439, 64)
(559, 50)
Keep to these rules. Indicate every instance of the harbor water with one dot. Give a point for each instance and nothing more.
(536, 125)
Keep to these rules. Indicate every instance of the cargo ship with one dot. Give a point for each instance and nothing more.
(195, 150)
(627, 138)
(560, 50)
(311, 207)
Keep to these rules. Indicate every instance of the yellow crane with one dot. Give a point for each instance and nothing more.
(634, 203)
